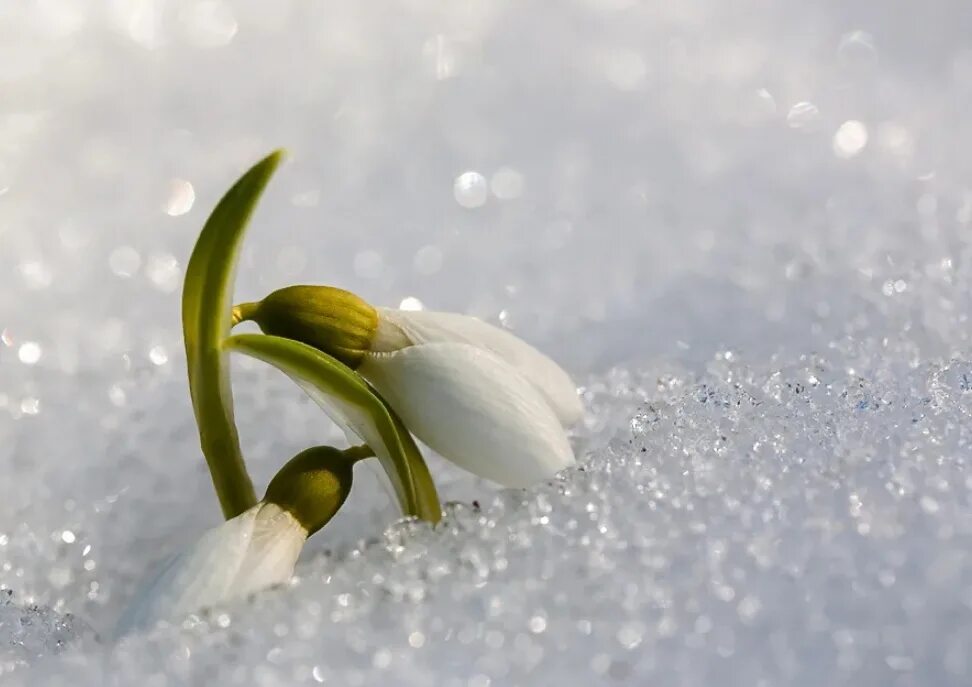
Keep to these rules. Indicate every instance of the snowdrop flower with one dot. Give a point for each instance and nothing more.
(474, 393)
(256, 549)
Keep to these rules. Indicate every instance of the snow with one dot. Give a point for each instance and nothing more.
(29, 633)
(745, 228)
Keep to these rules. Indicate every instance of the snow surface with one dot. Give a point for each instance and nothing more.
(745, 227)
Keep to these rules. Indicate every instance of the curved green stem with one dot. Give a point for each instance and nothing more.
(243, 312)
(357, 453)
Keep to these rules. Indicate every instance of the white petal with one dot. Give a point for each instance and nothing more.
(421, 326)
(474, 409)
(254, 550)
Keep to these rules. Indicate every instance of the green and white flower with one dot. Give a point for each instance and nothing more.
(475, 393)
(252, 551)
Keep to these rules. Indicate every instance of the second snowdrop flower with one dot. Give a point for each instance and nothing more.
(256, 549)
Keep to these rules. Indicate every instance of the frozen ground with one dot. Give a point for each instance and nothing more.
(746, 227)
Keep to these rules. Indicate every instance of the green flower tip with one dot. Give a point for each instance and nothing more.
(330, 319)
(314, 484)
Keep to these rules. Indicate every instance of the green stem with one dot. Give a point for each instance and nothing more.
(219, 439)
(244, 312)
(356, 453)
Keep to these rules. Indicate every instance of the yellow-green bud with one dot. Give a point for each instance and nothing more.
(314, 484)
(330, 319)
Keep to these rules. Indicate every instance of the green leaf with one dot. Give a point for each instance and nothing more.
(349, 401)
(206, 311)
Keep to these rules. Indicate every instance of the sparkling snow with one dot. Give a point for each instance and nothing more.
(746, 229)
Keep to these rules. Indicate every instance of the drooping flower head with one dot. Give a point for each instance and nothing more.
(475, 393)
(252, 551)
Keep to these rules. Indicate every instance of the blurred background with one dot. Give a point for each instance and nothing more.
(627, 184)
